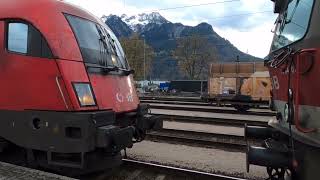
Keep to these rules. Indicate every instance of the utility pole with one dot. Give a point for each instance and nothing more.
(144, 58)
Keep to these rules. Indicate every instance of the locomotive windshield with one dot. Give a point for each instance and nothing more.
(97, 43)
(292, 24)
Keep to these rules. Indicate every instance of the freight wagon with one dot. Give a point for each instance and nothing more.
(241, 84)
(195, 86)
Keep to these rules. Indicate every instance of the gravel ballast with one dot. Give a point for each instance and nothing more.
(218, 129)
(196, 158)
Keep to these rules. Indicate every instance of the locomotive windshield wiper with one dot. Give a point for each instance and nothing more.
(128, 72)
(104, 49)
(104, 52)
(106, 69)
(287, 21)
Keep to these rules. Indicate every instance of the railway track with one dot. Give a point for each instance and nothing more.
(136, 170)
(160, 98)
(196, 138)
(177, 102)
(210, 109)
(198, 101)
(192, 103)
(211, 120)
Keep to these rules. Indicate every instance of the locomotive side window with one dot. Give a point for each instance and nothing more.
(25, 39)
(18, 38)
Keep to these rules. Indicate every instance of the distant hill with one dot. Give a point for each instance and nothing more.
(162, 35)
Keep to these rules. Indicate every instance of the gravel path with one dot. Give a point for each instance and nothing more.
(204, 128)
(197, 158)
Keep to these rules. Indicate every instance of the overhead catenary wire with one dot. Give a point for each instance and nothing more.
(243, 14)
(195, 5)
(237, 15)
(188, 6)
(221, 17)
(211, 19)
(207, 4)
(213, 3)
(212, 35)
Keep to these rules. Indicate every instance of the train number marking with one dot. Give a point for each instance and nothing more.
(130, 98)
(275, 82)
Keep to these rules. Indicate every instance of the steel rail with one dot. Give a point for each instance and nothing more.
(199, 100)
(230, 141)
(175, 172)
(177, 102)
(188, 99)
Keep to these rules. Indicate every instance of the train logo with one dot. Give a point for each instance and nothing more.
(119, 97)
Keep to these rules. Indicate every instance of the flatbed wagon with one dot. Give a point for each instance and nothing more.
(243, 85)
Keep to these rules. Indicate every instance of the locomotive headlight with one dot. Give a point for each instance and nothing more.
(84, 94)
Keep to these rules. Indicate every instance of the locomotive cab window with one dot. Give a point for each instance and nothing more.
(23, 38)
(98, 44)
(293, 24)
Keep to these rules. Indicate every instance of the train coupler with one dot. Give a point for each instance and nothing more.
(257, 132)
(146, 121)
(267, 157)
(274, 154)
(115, 138)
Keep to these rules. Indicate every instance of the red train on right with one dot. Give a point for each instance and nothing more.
(291, 149)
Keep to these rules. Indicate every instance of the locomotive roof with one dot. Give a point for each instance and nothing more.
(48, 17)
(24, 9)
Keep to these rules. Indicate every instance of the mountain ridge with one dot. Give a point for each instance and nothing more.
(162, 35)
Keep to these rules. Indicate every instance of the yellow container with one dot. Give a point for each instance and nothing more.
(249, 79)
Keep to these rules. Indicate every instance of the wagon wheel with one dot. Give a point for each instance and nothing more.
(140, 135)
(276, 173)
(242, 108)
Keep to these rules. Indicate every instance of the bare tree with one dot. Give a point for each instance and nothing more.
(136, 52)
(194, 55)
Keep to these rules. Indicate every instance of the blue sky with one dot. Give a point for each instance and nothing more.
(231, 19)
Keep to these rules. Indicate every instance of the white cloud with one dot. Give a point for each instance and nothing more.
(257, 41)
(102, 7)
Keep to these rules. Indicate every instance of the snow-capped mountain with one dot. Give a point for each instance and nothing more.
(137, 22)
(163, 37)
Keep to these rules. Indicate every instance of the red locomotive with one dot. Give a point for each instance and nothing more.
(67, 93)
(292, 146)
